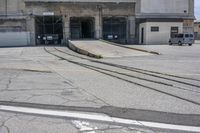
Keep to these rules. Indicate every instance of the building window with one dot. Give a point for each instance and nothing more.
(154, 29)
(174, 31)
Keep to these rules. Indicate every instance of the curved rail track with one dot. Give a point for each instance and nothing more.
(139, 70)
(126, 76)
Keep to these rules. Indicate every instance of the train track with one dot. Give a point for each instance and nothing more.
(138, 70)
(127, 77)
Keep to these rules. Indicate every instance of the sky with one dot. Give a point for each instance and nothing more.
(197, 9)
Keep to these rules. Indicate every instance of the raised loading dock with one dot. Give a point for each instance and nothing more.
(49, 30)
(103, 49)
(82, 27)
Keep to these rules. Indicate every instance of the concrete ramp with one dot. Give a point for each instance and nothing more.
(100, 49)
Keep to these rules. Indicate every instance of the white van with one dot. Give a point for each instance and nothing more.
(180, 39)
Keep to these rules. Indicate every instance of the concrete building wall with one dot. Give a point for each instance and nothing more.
(12, 15)
(2, 7)
(197, 30)
(163, 35)
(164, 6)
(15, 5)
(113, 1)
(131, 29)
(197, 27)
(164, 13)
(188, 26)
(11, 23)
(95, 10)
(20, 24)
(12, 7)
(82, 9)
(139, 11)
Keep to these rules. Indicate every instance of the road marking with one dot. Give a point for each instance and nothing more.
(84, 126)
(96, 117)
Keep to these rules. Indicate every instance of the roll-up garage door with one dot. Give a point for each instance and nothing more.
(14, 39)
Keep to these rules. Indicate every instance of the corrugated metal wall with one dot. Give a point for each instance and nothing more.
(14, 39)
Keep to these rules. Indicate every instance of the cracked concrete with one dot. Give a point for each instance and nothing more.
(31, 75)
(20, 123)
(48, 88)
(32, 124)
(26, 78)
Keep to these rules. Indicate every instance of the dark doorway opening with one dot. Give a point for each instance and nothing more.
(82, 28)
(49, 30)
(86, 29)
(142, 36)
(114, 29)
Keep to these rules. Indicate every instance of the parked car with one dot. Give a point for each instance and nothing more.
(180, 39)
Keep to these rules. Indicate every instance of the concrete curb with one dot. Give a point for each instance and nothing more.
(82, 51)
(142, 50)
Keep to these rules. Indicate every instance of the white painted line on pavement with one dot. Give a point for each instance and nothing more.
(96, 117)
(84, 126)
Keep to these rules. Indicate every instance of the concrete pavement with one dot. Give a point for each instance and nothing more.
(31, 75)
(20, 123)
(25, 76)
(197, 41)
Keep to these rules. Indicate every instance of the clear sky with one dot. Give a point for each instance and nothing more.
(197, 9)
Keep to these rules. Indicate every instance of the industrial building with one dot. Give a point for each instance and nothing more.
(197, 30)
(43, 22)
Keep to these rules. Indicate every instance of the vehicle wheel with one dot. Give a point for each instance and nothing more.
(179, 43)
(190, 44)
(170, 43)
